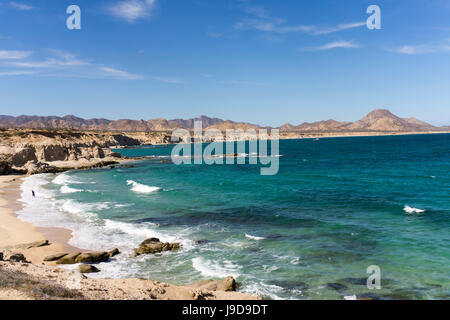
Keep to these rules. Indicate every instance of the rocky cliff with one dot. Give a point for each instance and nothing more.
(35, 151)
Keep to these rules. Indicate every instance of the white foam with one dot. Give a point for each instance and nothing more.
(67, 189)
(215, 269)
(265, 290)
(411, 210)
(64, 178)
(141, 188)
(253, 237)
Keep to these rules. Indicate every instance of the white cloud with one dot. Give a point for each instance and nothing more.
(132, 10)
(120, 74)
(410, 50)
(340, 27)
(60, 64)
(421, 49)
(20, 6)
(17, 73)
(13, 54)
(334, 45)
(60, 59)
(265, 23)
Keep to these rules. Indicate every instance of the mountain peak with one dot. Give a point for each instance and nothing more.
(381, 113)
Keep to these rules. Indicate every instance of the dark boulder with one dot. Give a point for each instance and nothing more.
(154, 245)
(17, 257)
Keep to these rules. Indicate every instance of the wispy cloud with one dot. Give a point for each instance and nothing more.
(334, 45)
(264, 22)
(14, 54)
(59, 59)
(59, 64)
(168, 80)
(20, 6)
(132, 10)
(422, 49)
(120, 74)
(17, 73)
(340, 27)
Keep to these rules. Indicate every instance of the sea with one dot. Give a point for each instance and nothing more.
(337, 209)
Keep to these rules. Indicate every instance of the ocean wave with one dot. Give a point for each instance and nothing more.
(410, 210)
(141, 188)
(67, 189)
(253, 237)
(215, 269)
(65, 179)
(82, 210)
(264, 290)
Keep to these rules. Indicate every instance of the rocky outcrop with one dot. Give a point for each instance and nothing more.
(5, 167)
(68, 258)
(227, 284)
(153, 245)
(87, 268)
(23, 155)
(33, 167)
(38, 244)
(113, 252)
(92, 257)
(78, 257)
(55, 257)
(13, 256)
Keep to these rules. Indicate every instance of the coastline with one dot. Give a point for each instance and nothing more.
(14, 233)
(36, 279)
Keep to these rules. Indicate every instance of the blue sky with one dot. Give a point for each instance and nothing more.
(266, 62)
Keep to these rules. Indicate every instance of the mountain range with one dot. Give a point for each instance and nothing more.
(377, 120)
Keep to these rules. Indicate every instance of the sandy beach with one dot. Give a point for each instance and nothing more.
(15, 234)
(36, 279)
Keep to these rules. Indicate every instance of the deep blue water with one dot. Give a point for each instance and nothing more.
(336, 207)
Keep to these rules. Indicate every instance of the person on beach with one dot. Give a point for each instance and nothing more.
(32, 192)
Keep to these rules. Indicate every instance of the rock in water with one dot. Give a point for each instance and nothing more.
(68, 259)
(153, 245)
(87, 268)
(113, 253)
(55, 257)
(92, 257)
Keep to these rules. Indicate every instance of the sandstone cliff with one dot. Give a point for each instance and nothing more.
(35, 151)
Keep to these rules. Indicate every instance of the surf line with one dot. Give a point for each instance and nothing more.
(213, 152)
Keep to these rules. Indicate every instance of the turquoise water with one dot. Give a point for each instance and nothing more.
(337, 206)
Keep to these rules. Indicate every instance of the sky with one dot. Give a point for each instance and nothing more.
(259, 61)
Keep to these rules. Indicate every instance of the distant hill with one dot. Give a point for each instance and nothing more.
(73, 122)
(377, 120)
